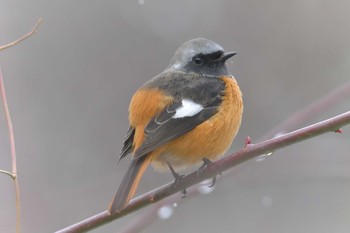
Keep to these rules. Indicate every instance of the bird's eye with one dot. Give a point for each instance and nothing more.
(198, 61)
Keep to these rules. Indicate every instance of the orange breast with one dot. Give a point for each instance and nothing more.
(208, 140)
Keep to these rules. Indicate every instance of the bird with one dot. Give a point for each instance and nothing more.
(188, 114)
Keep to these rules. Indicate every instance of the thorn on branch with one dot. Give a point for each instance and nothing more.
(248, 141)
(339, 131)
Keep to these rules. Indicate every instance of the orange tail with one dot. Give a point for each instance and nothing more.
(129, 183)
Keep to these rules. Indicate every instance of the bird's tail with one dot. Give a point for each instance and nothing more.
(129, 183)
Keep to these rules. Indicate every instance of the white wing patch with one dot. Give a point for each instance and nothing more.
(188, 109)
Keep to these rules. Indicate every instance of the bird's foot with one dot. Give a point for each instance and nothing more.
(177, 180)
(206, 163)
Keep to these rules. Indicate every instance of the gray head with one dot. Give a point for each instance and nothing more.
(201, 56)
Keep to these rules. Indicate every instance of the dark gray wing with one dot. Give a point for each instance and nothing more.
(165, 127)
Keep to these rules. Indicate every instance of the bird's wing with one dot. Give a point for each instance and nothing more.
(128, 143)
(174, 121)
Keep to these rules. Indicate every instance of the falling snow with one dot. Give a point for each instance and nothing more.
(165, 212)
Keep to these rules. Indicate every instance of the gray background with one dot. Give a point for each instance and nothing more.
(69, 88)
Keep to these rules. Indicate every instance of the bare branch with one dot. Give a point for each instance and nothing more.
(13, 153)
(33, 31)
(321, 105)
(149, 216)
(8, 173)
(292, 122)
(13, 174)
(246, 153)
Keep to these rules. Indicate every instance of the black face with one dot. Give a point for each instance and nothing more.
(209, 59)
(201, 56)
(212, 64)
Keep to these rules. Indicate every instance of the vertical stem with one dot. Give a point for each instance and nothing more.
(13, 153)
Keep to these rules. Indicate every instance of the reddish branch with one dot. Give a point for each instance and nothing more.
(292, 122)
(248, 152)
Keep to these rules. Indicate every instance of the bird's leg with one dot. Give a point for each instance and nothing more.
(177, 179)
(206, 163)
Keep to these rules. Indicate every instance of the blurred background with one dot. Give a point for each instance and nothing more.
(70, 84)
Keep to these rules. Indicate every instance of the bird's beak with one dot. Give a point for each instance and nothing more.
(226, 56)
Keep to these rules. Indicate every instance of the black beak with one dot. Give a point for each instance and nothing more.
(226, 56)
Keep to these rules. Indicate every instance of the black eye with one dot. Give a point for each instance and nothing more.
(198, 61)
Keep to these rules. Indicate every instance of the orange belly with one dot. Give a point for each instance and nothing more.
(208, 140)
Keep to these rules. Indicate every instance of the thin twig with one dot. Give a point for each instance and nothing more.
(8, 173)
(33, 31)
(13, 153)
(13, 174)
(246, 153)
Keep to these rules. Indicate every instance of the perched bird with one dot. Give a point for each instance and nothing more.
(189, 113)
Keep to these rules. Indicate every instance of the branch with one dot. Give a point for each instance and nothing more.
(8, 173)
(321, 105)
(33, 31)
(292, 122)
(147, 217)
(13, 174)
(13, 153)
(248, 152)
